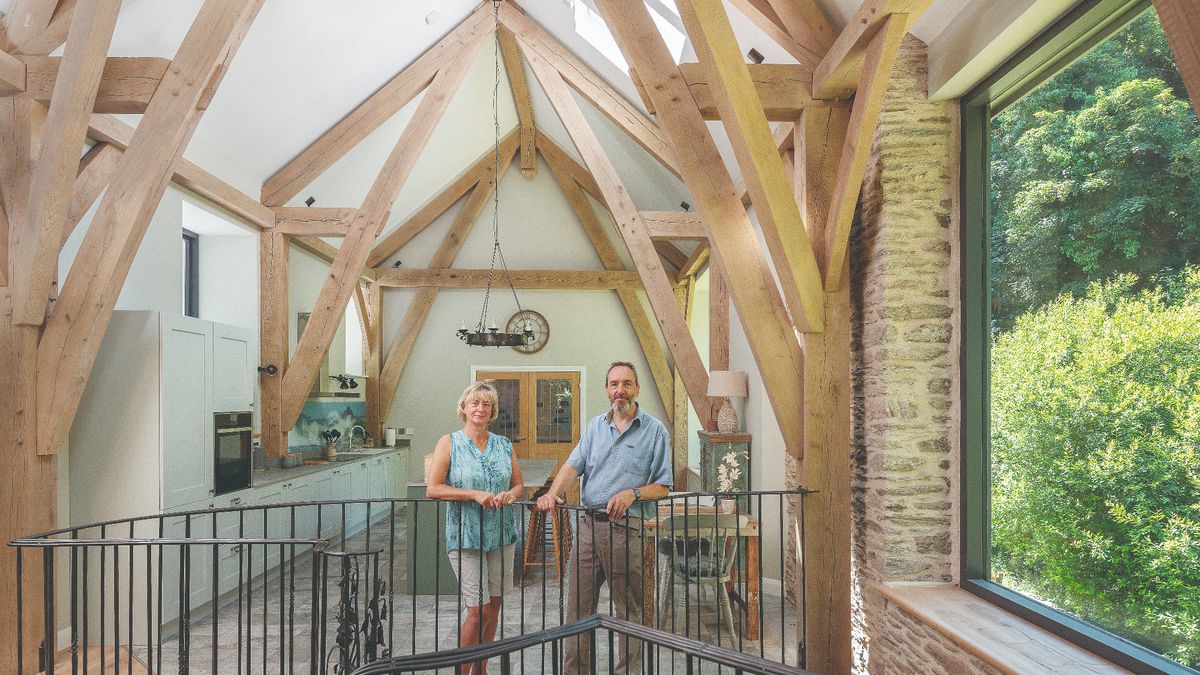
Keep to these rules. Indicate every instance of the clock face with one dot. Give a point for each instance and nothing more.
(527, 319)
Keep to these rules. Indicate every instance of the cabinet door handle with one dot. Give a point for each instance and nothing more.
(236, 501)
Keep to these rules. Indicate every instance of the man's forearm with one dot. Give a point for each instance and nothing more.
(565, 475)
(654, 491)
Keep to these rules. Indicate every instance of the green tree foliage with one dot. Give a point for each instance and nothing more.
(1095, 172)
(1095, 444)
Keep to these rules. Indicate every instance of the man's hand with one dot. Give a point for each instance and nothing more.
(485, 499)
(548, 501)
(619, 504)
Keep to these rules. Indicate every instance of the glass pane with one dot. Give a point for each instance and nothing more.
(554, 411)
(508, 420)
(1095, 345)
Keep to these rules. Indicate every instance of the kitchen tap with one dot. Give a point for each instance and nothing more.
(350, 436)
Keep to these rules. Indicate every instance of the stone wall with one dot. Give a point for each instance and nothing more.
(904, 298)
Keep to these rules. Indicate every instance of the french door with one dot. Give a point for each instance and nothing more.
(539, 413)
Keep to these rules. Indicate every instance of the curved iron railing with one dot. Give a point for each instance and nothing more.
(323, 586)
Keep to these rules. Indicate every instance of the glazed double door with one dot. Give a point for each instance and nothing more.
(539, 413)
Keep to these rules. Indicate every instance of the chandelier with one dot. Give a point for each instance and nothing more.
(492, 336)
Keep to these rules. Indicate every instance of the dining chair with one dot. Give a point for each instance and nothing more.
(697, 549)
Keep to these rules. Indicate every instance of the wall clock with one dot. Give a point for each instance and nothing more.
(531, 320)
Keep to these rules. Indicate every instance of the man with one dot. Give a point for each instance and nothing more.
(624, 459)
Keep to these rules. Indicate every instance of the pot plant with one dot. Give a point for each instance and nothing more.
(330, 436)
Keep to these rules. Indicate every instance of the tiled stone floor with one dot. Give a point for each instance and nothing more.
(424, 623)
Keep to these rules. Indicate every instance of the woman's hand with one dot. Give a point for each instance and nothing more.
(485, 499)
(505, 498)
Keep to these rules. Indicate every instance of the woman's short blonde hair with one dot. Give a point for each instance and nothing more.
(479, 391)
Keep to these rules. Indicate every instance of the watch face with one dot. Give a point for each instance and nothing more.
(535, 326)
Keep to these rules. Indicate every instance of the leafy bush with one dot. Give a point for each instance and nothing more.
(1095, 444)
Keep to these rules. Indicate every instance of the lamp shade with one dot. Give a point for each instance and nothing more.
(727, 383)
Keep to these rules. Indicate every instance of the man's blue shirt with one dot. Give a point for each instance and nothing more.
(609, 461)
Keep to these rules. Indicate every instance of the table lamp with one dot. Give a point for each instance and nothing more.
(727, 384)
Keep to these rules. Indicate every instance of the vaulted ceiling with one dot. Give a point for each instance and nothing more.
(305, 64)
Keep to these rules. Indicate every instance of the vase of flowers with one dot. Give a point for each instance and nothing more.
(729, 476)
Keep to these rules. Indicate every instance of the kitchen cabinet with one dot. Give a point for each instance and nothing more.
(234, 361)
(142, 440)
(186, 374)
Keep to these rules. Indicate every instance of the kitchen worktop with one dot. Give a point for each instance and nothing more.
(275, 475)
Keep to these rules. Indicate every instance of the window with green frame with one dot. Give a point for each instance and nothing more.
(1081, 314)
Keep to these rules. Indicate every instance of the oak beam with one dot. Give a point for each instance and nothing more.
(718, 320)
(630, 227)
(783, 89)
(73, 333)
(96, 169)
(1181, 22)
(827, 468)
(189, 176)
(515, 69)
(372, 316)
(817, 132)
(274, 314)
(28, 491)
(38, 237)
(17, 129)
(864, 116)
(679, 225)
(12, 74)
(377, 109)
(578, 172)
(695, 262)
(591, 86)
(27, 19)
(758, 156)
(837, 76)
(126, 83)
(647, 337)
(577, 280)
(763, 15)
(390, 245)
(768, 327)
(310, 222)
(671, 254)
(402, 346)
(805, 21)
(825, 465)
(369, 220)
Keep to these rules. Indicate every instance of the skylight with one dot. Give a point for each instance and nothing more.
(591, 27)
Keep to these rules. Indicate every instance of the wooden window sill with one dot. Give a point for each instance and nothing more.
(1008, 643)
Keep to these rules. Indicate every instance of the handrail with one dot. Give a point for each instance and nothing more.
(29, 542)
(379, 500)
(455, 657)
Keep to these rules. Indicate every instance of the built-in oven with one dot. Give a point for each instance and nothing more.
(232, 469)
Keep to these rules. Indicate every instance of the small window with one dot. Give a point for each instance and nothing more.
(191, 274)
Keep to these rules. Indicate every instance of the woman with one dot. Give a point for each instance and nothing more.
(474, 465)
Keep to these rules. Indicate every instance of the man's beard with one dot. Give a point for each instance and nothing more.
(620, 405)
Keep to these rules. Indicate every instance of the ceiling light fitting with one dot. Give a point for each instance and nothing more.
(492, 336)
(755, 55)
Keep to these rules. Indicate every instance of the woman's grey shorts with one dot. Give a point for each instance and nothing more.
(493, 576)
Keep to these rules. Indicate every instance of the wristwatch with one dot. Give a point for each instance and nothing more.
(637, 495)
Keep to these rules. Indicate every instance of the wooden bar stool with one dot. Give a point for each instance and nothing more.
(547, 543)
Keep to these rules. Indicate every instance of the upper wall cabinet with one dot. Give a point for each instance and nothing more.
(233, 368)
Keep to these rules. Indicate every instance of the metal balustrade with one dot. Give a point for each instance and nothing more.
(328, 587)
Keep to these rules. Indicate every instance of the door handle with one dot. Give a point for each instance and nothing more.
(518, 439)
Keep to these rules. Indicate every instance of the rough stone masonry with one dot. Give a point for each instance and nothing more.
(904, 297)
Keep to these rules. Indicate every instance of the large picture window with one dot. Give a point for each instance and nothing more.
(1082, 336)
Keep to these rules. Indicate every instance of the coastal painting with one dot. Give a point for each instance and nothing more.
(318, 416)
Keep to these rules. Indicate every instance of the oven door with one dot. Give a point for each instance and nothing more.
(232, 452)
